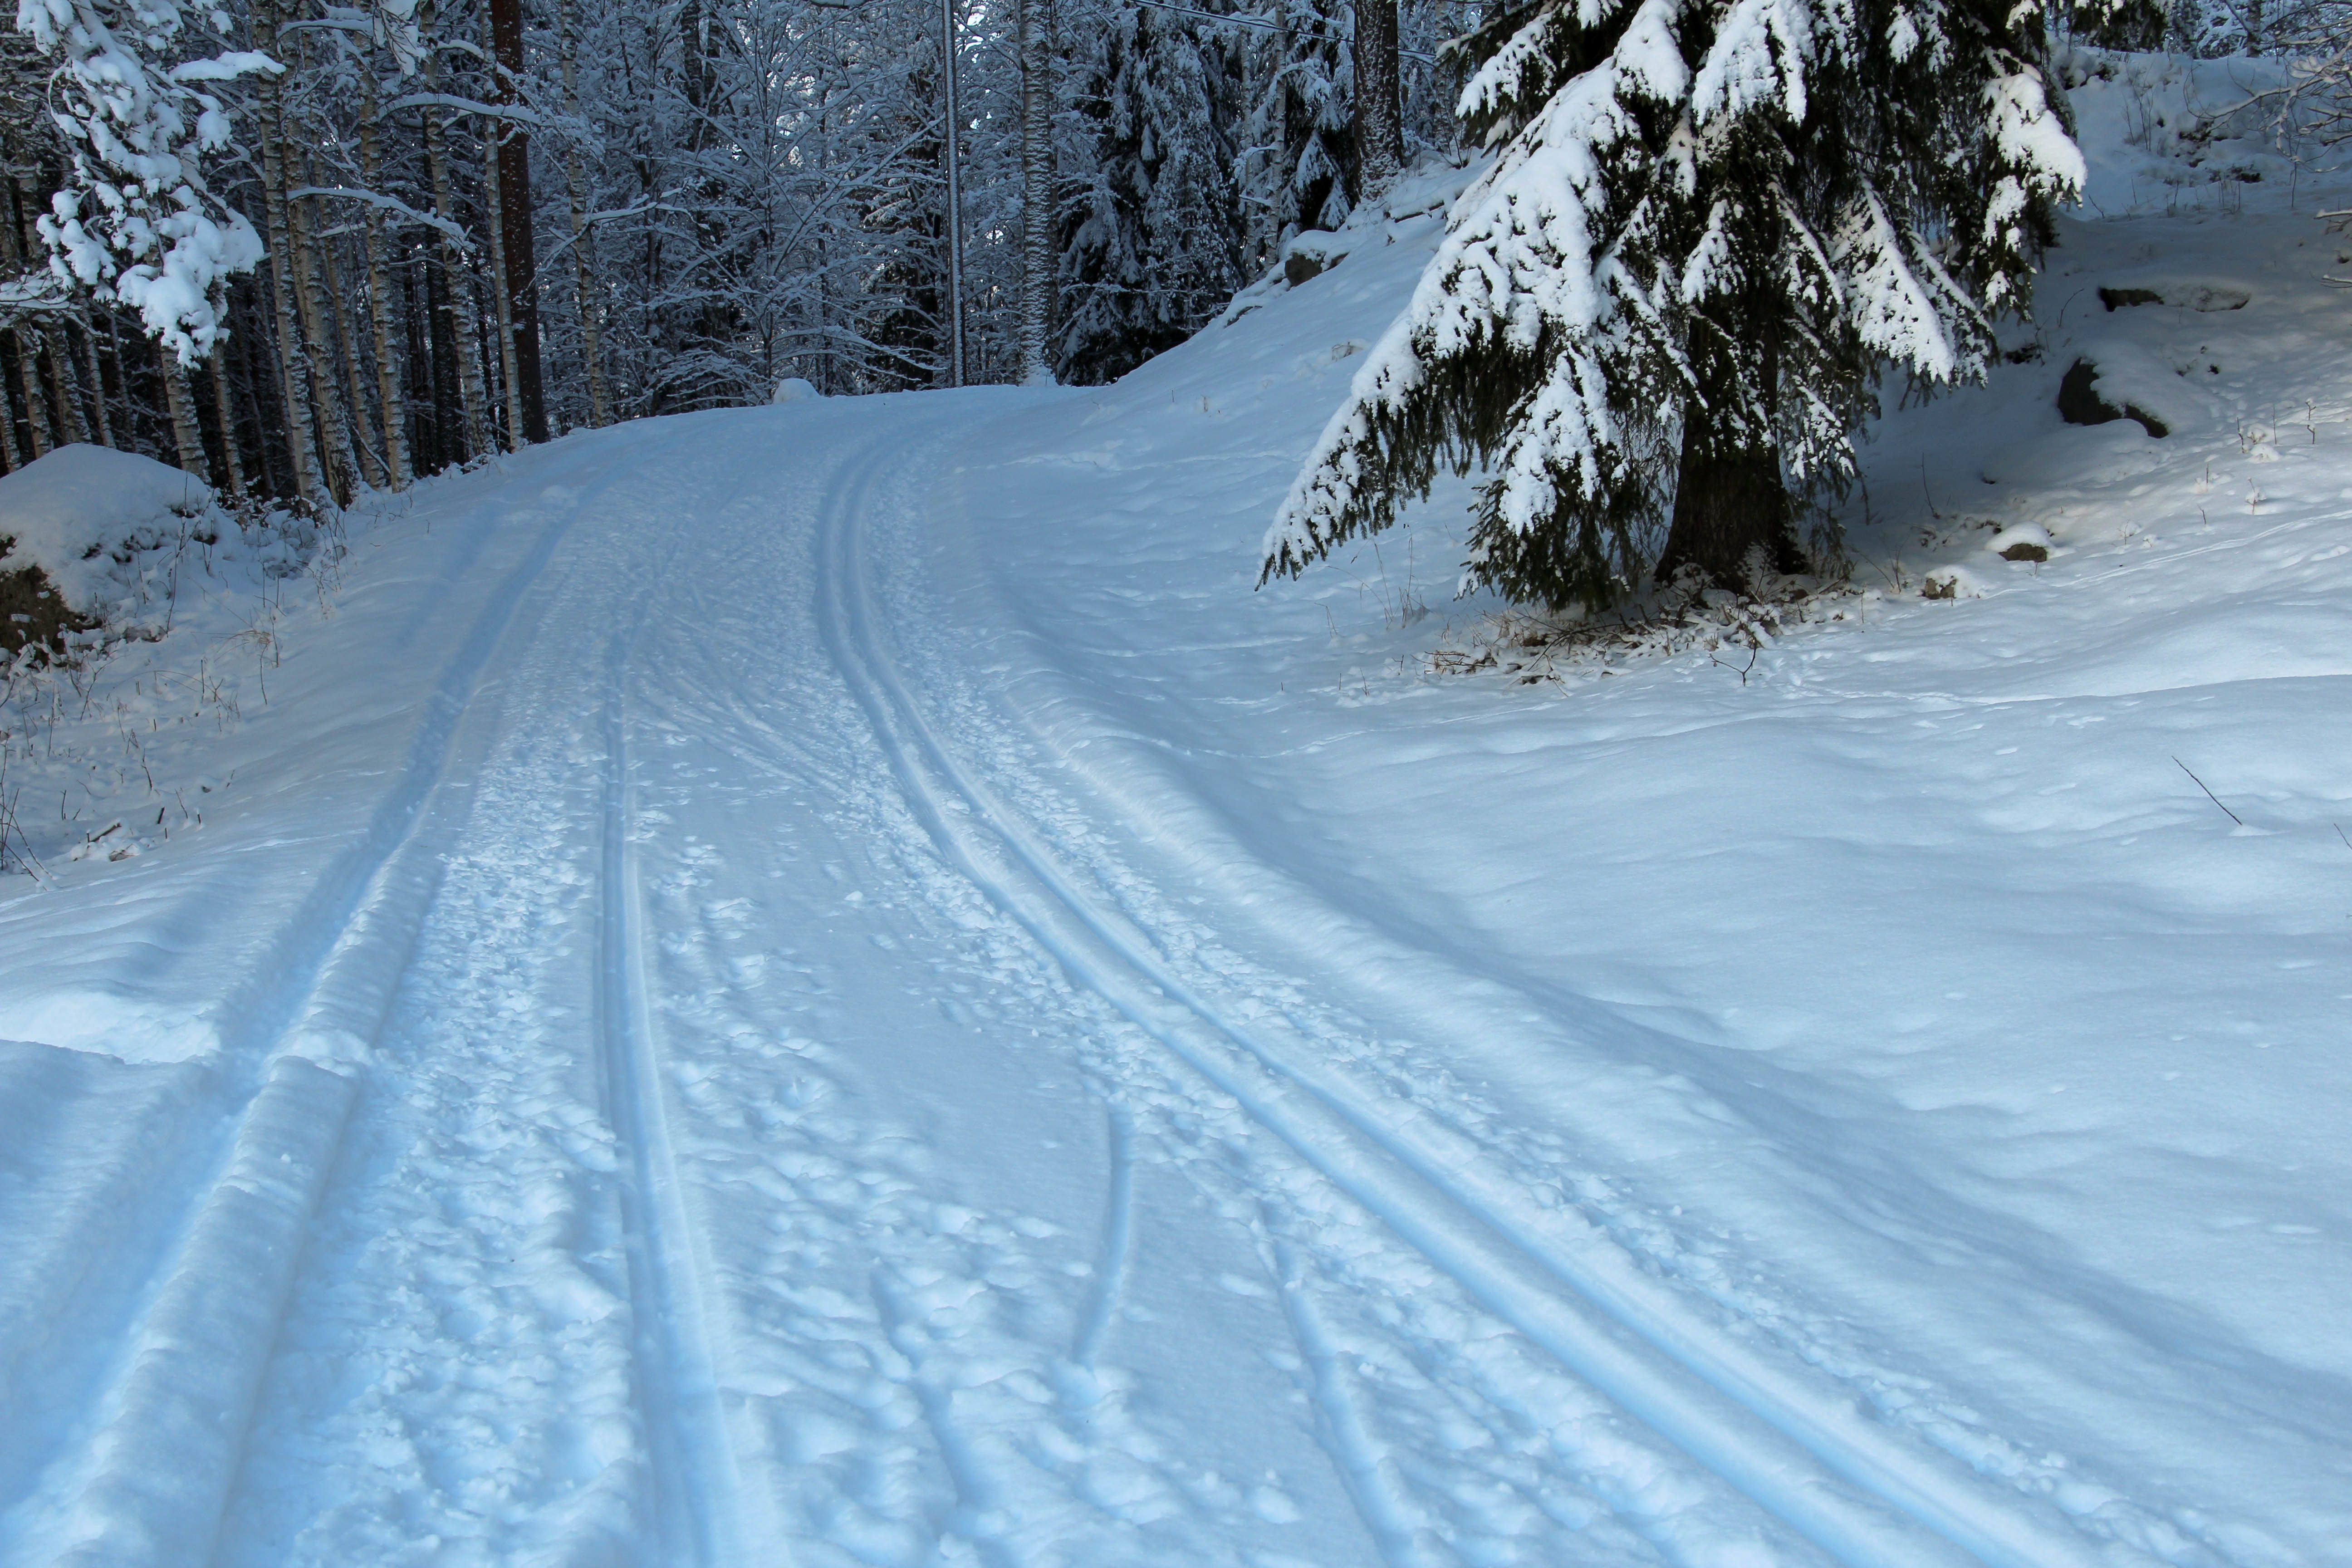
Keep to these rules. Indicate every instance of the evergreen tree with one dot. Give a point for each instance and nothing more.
(1150, 248)
(1710, 227)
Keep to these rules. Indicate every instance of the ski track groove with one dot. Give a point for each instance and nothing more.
(170, 1411)
(1384, 1514)
(696, 1474)
(1778, 1443)
(1117, 1242)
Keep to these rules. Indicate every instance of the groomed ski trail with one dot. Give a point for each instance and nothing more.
(1859, 1492)
(159, 1449)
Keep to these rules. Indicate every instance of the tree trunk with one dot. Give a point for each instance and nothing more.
(520, 254)
(353, 390)
(1036, 191)
(445, 207)
(583, 237)
(301, 437)
(28, 376)
(1731, 508)
(188, 437)
(388, 366)
(1380, 122)
(103, 427)
(232, 470)
(501, 296)
(9, 451)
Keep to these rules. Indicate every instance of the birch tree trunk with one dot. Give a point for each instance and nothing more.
(583, 237)
(387, 368)
(187, 436)
(232, 474)
(37, 412)
(9, 451)
(104, 427)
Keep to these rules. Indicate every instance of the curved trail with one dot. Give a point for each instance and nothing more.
(714, 1117)
(1776, 1441)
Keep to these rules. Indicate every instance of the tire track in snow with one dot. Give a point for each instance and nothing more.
(1860, 1494)
(152, 1475)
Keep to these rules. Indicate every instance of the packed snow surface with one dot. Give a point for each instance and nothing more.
(826, 984)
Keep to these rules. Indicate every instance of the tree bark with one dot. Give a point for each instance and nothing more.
(301, 437)
(583, 236)
(188, 437)
(1731, 510)
(387, 366)
(444, 205)
(232, 470)
(1036, 191)
(1379, 120)
(520, 264)
(501, 296)
(9, 451)
(102, 426)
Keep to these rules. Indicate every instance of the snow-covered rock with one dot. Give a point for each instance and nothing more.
(84, 515)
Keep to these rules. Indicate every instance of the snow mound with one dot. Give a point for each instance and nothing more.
(84, 514)
(795, 389)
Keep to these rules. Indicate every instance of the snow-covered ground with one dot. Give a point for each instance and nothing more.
(828, 984)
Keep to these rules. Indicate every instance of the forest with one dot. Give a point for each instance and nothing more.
(395, 238)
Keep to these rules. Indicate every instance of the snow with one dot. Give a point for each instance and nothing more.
(826, 983)
(82, 512)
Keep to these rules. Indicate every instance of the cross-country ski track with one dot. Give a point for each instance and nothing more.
(827, 985)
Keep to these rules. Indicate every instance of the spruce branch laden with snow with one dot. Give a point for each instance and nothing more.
(1710, 227)
(135, 222)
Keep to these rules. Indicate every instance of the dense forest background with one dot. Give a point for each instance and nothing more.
(479, 223)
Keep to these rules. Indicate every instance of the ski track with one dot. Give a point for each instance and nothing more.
(149, 1470)
(1752, 1423)
(620, 1219)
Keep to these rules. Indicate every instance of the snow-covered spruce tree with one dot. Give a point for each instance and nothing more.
(1709, 227)
(1149, 245)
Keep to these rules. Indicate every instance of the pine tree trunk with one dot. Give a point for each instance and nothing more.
(501, 296)
(1036, 191)
(354, 385)
(1379, 122)
(520, 267)
(468, 369)
(316, 313)
(301, 438)
(583, 237)
(388, 366)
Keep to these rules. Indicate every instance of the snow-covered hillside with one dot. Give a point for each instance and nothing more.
(829, 984)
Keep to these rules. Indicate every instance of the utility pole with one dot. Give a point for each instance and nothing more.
(955, 200)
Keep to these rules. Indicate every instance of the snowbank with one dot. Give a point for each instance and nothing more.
(87, 515)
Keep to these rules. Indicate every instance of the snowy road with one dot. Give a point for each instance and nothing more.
(824, 986)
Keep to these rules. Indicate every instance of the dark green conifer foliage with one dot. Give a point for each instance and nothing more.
(1711, 226)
